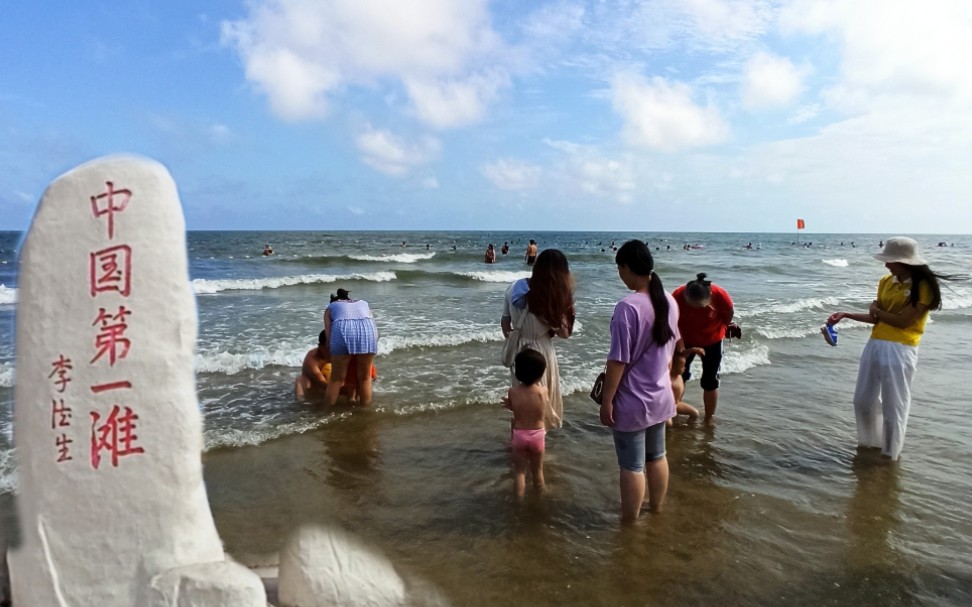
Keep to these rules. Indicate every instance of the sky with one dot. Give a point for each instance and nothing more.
(655, 115)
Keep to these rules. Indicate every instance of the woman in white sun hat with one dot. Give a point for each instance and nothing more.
(904, 298)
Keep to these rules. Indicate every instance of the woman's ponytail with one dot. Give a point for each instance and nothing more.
(661, 332)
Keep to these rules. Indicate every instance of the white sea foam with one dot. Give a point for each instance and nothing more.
(8, 295)
(786, 333)
(737, 360)
(500, 276)
(572, 384)
(202, 286)
(231, 363)
(6, 375)
(216, 438)
(954, 300)
(396, 258)
(8, 471)
(788, 307)
(391, 343)
(837, 263)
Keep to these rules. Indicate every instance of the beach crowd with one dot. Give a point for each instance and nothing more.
(655, 335)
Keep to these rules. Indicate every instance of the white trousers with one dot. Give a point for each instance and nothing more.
(883, 395)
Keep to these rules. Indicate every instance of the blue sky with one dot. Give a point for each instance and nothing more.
(681, 115)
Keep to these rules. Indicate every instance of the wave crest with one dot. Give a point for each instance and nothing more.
(501, 276)
(202, 286)
(396, 258)
(6, 375)
(788, 307)
(392, 343)
(8, 295)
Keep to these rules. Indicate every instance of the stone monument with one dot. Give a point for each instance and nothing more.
(111, 500)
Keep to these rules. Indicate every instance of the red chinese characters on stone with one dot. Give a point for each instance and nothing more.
(115, 385)
(110, 202)
(111, 270)
(61, 367)
(116, 435)
(111, 338)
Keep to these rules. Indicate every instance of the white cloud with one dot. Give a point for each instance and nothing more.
(805, 112)
(302, 53)
(220, 133)
(297, 88)
(452, 103)
(585, 172)
(602, 177)
(770, 81)
(430, 183)
(697, 26)
(356, 210)
(725, 21)
(891, 47)
(391, 154)
(510, 174)
(662, 116)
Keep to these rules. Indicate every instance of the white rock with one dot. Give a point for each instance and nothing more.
(327, 568)
(220, 584)
(111, 488)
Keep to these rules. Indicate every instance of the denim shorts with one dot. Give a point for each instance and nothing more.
(636, 448)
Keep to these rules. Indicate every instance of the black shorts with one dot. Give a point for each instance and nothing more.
(531, 259)
(710, 366)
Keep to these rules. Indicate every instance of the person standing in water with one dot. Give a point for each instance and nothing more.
(905, 296)
(531, 253)
(638, 400)
(542, 307)
(528, 400)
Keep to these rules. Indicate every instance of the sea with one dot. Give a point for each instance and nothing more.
(769, 505)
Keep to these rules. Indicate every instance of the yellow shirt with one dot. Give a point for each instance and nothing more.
(892, 297)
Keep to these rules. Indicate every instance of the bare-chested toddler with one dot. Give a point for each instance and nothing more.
(678, 384)
(528, 401)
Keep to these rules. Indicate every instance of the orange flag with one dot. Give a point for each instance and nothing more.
(800, 224)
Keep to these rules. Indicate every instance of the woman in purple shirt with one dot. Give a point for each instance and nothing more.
(637, 398)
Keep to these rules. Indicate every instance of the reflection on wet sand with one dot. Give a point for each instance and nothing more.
(680, 556)
(872, 515)
(353, 450)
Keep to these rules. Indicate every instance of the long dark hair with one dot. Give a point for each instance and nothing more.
(923, 273)
(551, 293)
(636, 256)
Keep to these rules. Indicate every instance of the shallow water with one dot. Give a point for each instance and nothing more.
(770, 505)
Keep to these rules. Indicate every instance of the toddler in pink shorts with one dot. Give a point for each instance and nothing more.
(528, 401)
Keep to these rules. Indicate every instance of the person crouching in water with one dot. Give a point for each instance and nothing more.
(678, 384)
(315, 373)
(528, 402)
